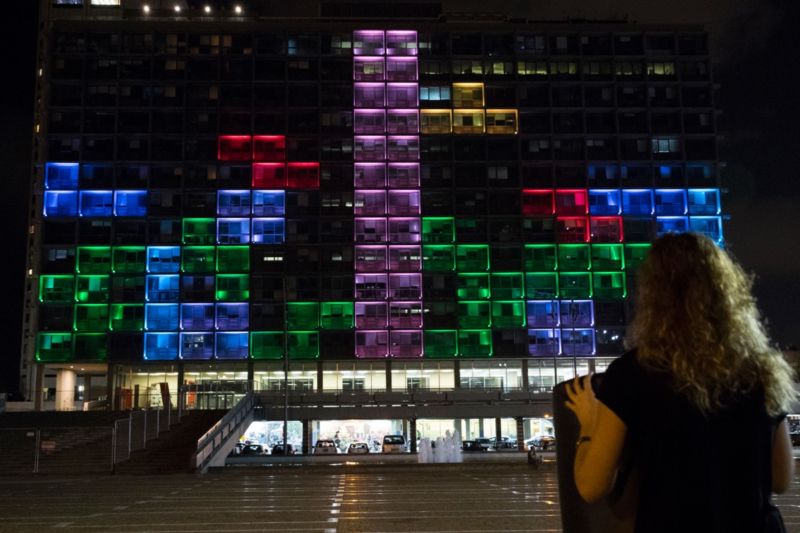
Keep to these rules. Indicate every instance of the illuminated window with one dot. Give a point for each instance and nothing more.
(468, 95)
(436, 121)
(502, 121)
(468, 121)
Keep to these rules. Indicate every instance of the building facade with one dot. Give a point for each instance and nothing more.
(381, 204)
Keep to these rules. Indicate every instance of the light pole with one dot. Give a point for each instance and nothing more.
(285, 373)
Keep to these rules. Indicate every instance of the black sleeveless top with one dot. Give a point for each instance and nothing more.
(710, 474)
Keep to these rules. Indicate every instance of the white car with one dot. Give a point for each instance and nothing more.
(394, 444)
(358, 448)
(325, 447)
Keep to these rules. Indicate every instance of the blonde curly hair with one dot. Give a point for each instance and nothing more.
(696, 318)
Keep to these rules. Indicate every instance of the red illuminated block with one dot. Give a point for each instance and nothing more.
(537, 202)
(572, 202)
(235, 148)
(269, 175)
(572, 229)
(270, 148)
(303, 175)
(606, 229)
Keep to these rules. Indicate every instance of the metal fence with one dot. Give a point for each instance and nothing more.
(132, 433)
(56, 450)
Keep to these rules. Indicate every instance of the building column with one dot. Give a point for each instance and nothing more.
(520, 434)
(87, 387)
(389, 376)
(413, 435)
(110, 392)
(592, 366)
(498, 431)
(456, 374)
(319, 377)
(306, 446)
(405, 428)
(525, 380)
(480, 427)
(181, 400)
(251, 375)
(37, 387)
(65, 389)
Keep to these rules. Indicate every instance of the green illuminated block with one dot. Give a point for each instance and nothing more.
(90, 317)
(474, 286)
(129, 259)
(303, 344)
(91, 289)
(574, 257)
(199, 231)
(57, 288)
(266, 345)
(53, 347)
(635, 254)
(126, 317)
(608, 257)
(336, 315)
(508, 313)
(575, 284)
(438, 230)
(233, 259)
(609, 285)
(508, 285)
(302, 315)
(473, 314)
(475, 342)
(472, 257)
(438, 257)
(197, 259)
(90, 346)
(541, 285)
(540, 257)
(233, 287)
(93, 260)
(440, 343)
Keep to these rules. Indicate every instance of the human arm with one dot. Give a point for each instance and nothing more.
(782, 459)
(596, 459)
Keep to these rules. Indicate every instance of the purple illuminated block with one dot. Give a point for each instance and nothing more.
(369, 94)
(370, 230)
(369, 68)
(405, 314)
(404, 202)
(366, 121)
(197, 317)
(401, 69)
(368, 43)
(402, 95)
(403, 175)
(403, 230)
(405, 258)
(369, 202)
(577, 313)
(372, 343)
(405, 286)
(406, 343)
(370, 258)
(370, 175)
(371, 315)
(403, 148)
(402, 121)
(369, 148)
(401, 43)
(371, 286)
(577, 341)
(197, 345)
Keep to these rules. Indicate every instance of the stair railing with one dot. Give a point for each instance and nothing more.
(211, 442)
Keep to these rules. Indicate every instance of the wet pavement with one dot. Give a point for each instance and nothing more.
(468, 498)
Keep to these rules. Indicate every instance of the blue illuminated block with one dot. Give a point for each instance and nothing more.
(61, 176)
(161, 346)
(711, 227)
(233, 203)
(163, 288)
(232, 345)
(197, 317)
(163, 259)
(268, 230)
(543, 313)
(60, 204)
(637, 202)
(269, 203)
(544, 342)
(233, 230)
(604, 202)
(96, 203)
(161, 317)
(130, 203)
(233, 316)
(666, 225)
(704, 202)
(577, 313)
(197, 345)
(670, 201)
(577, 341)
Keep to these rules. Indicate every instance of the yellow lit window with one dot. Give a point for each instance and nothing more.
(501, 121)
(468, 121)
(468, 95)
(435, 121)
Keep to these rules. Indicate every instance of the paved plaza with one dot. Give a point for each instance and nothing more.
(328, 499)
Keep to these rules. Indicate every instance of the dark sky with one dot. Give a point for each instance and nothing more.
(755, 50)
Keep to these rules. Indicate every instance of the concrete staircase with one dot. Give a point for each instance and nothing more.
(172, 451)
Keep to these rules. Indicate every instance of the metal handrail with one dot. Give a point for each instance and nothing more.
(214, 438)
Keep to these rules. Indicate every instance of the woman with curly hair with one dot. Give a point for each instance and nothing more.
(701, 396)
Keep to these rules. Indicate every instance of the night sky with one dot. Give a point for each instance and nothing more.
(756, 52)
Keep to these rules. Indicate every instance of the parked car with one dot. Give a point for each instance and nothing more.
(541, 442)
(505, 443)
(394, 444)
(325, 447)
(358, 448)
(472, 446)
(254, 449)
(278, 449)
(484, 443)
